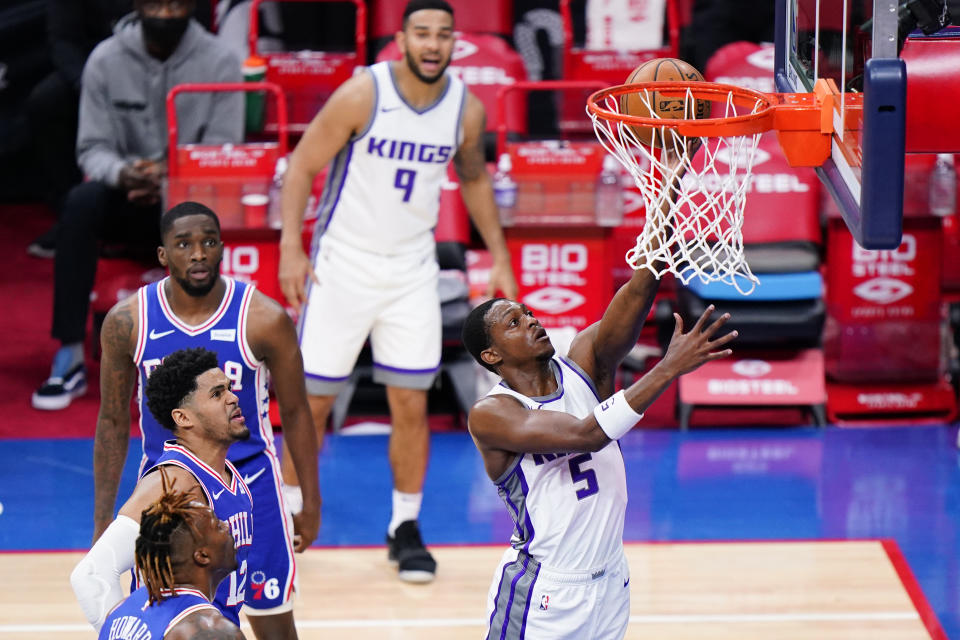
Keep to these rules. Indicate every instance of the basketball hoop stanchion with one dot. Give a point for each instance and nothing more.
(694, 174)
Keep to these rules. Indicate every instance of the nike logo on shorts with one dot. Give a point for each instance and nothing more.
(626, 582)
(154, 335)
(251, 478)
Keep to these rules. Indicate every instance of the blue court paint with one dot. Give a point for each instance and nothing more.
(745, 484)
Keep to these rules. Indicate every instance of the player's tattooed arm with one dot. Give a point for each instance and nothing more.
(117, 377)
(477, 191)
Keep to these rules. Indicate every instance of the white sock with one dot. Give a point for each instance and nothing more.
(293, 497)
(406, 506)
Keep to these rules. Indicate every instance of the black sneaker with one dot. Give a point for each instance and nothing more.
(57, 393)
(406, 550)
(44, 245)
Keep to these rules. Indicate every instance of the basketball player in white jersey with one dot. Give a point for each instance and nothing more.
(390, 133)
(547, 434)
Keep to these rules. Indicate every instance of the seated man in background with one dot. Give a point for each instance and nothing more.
(120, 148)
(74, 28)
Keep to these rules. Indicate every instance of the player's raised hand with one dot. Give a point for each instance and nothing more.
(294, 269)
(503, 280)
(687, 351)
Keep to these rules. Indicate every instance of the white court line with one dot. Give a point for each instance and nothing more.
(396, 623)
(60, 464)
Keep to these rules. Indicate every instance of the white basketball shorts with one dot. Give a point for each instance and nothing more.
(531, 601)
(392, 300)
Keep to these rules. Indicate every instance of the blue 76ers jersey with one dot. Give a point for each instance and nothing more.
(161, 333)
(231, 502)
(134, 619)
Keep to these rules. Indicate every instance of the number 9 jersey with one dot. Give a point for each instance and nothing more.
(382, 191)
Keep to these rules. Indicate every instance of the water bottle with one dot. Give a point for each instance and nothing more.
(608, 196)
(943, 186)
(274, 220)
(254, 70)
(505, 189)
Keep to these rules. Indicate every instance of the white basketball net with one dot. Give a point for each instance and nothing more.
(694, 224)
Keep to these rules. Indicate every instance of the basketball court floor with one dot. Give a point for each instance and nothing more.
(746, 533)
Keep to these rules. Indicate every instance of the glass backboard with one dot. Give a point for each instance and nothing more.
(853, 44)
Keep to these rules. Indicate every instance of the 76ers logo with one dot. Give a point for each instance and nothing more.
(263, 588)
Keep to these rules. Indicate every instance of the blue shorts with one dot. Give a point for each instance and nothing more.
(271, 568)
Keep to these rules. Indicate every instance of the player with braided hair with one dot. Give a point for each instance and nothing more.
(190, 395)
(183, 552)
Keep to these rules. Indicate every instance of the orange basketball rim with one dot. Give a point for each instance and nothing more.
(803, 121)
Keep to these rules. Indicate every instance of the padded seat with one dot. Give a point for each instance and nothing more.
(782, 257)
(785, 310)
(773, 286)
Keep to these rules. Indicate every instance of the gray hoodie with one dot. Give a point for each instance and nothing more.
(123, 100)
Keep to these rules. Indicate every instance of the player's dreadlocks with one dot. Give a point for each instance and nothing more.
(162, 527)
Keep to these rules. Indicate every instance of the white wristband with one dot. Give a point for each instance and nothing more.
(615, 416)
(293, 497)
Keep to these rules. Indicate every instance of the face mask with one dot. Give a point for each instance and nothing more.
(164, 32)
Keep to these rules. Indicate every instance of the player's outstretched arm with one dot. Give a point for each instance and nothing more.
(345, 114)
(600, 348)
(97, 578)
(502, 427)
(686, 352)
(117, 376)
(274, 340)
(150, 488)
(205, 625)
(477, 191)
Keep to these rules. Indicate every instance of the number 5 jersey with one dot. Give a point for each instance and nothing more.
(568, 508)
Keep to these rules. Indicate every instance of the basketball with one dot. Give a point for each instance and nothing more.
(661, 70)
